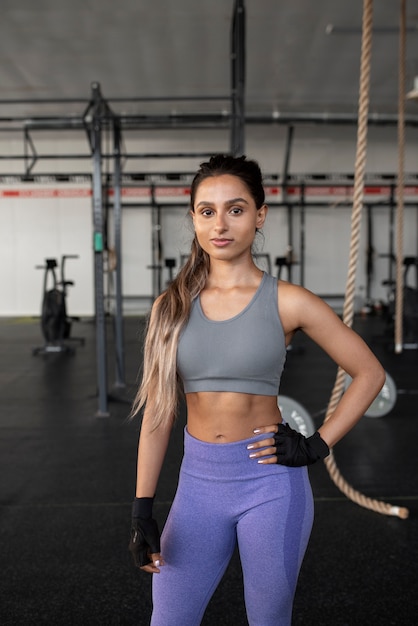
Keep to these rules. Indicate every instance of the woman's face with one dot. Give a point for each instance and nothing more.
(225, 217)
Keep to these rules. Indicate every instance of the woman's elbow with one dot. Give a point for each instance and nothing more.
(379, 377)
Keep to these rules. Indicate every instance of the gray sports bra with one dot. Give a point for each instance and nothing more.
(244, 354)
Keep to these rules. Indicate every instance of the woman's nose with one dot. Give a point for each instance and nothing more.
(220, 225)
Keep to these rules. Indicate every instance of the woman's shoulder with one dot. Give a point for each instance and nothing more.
(288, 289)
(291, 290)
(301, 306)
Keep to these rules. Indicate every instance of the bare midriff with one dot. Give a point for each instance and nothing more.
(223, 417)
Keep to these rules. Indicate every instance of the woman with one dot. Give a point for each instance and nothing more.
(222, 328)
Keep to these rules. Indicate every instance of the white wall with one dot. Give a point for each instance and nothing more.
(43, 219)
(35, 228)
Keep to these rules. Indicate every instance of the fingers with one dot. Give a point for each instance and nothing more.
(269, 441)
(150, 569)
(266, 429)
(154, 567)
(269, 461)
(264, 443)
(264, 451)
(267, 453)
(265, 456)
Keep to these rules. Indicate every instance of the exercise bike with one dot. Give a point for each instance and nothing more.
(55, 322)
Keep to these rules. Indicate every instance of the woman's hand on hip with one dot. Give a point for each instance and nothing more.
(264, 451)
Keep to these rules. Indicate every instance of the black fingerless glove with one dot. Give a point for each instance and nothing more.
(295, 450)
(145, 536)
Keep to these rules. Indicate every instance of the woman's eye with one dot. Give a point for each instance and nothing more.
(207, 212)
(236, 210)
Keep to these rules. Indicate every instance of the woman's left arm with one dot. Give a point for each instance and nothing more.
(300, 308)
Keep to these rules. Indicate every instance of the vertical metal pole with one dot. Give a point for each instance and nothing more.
(370, 255)
(286, 163)
(289, 248)
(159, 249)
(101, 353)
(117, 217)
(302, 234)
(238, 79)
(285, 175)
(391, 235)
(156, 243)
(416, 284)
(400, 188)
(25, 146)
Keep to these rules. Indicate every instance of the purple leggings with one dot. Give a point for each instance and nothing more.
(224, 498)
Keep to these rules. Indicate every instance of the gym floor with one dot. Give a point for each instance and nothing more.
(67, 482)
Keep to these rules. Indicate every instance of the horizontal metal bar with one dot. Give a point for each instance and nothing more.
(132, 122)
(43, 100)
(24, 101)
(331, 29)
(47, 157)
(142, 155)
(335, 204)
(129, 178)
(374, 119)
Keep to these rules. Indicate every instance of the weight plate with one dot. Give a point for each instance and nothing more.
(296, 415)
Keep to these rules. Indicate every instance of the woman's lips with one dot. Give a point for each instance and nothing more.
(221, 243)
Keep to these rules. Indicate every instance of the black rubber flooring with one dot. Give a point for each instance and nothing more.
(67, 482)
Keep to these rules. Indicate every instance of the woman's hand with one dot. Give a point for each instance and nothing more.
(144, 537)
(289, 447)
(154, 567)
(268, 454)
(144, 544)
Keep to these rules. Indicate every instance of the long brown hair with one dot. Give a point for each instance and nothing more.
(171, 310)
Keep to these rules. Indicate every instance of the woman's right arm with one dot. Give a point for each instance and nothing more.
(152, 448)
(153, 444)
(145, 535)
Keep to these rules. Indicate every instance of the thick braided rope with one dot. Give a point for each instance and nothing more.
(401, 184)
(348, 312)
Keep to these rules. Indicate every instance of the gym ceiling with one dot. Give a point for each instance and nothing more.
(302, 56)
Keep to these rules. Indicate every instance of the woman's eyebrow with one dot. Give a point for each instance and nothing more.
(232, 201)
(235, 200)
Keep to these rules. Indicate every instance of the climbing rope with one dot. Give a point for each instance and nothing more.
(401, 184)
(348, 312)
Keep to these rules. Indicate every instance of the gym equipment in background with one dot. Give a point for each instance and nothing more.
(55, 322)
(296, 415)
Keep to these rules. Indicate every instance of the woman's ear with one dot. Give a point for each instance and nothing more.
(261, 215)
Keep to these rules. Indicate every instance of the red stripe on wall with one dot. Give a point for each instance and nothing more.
(175, 192)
